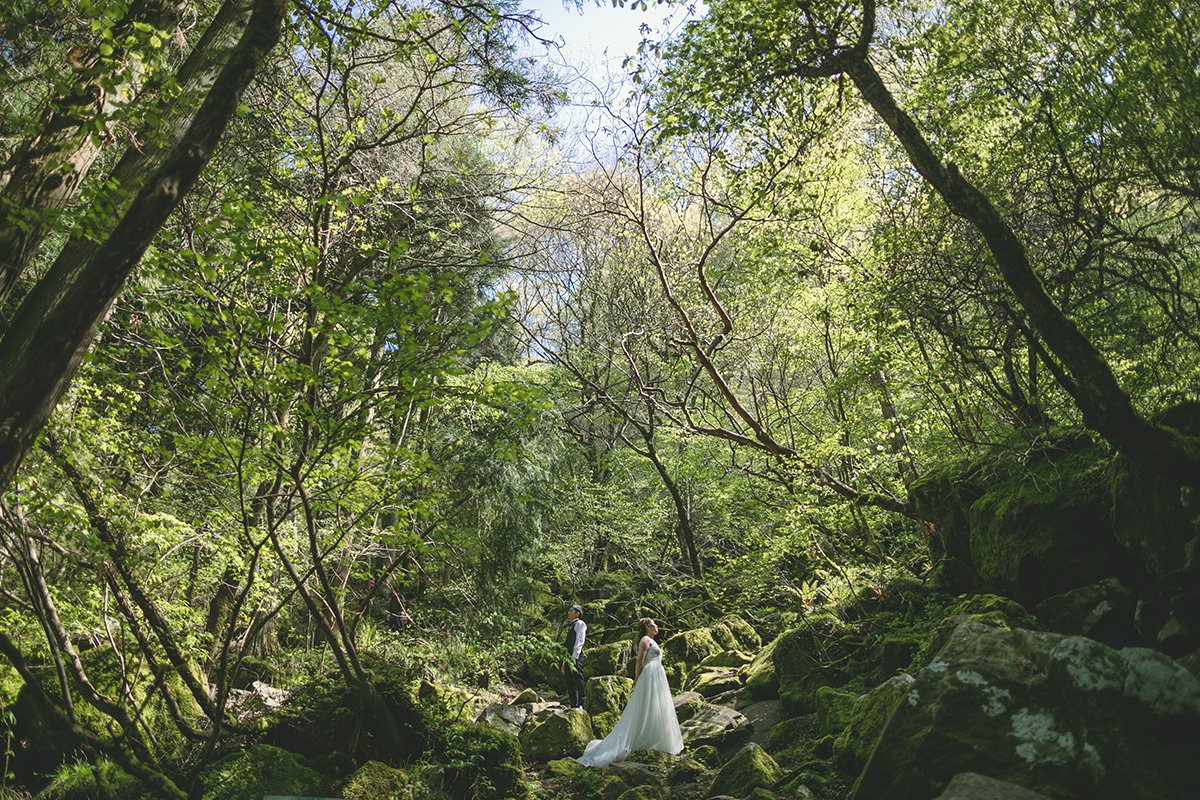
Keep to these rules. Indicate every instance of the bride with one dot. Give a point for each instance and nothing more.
(648, 721)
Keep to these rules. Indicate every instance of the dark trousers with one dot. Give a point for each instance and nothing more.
(576, 685)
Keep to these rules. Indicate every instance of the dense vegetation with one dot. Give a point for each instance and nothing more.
(306, 317)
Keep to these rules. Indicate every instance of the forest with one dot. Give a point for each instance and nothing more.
(346, 344)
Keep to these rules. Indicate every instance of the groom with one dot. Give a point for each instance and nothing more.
(573, 666)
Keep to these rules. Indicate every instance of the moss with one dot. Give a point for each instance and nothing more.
(642, 793)
(989, 609)
(556, 733)
(750, 768)
(867, 721)
(602, 724)
(484, 764)
(692, 647)
(834, 710)
(707, 755)
(608, 659)
(377, 781)
(722, 634)
(564, 767)
(10, 685)
(84, 781)
(256, 772)
(687, 771)
(759, 676)
(746, 637)
(821, 652)
(326, 719)
(526, 696)
(787, 733)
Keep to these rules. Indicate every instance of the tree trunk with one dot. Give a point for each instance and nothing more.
(45, 171)
(1105, 405)
(40, 352)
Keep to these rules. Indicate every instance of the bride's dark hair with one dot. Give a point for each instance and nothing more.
(642, 625)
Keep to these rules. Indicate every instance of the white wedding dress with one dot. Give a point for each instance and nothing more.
(647, 723)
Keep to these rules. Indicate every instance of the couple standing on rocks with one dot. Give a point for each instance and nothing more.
(648, 721)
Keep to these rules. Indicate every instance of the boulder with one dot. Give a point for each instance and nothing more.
(750, 769)
(746, 638)
(1029, 524)
(764, 716)
(525, 697)
(834, 710)
(759, 676)
(818, 653)
(719, 726)
(608, 659)
(687, 705)
(712, 681)
(692, 647)
(1102, 611)
(1154, 517)
(973, 786)
(508, 718)
(608, 693)
(259, 771)
(1062, 715)
(485, 764)
(375, 780)
(688, 771)
(868, 718)
(615, 780)
(552, 733)
(729, 659)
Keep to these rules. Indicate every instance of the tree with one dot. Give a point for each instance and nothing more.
(838, 40)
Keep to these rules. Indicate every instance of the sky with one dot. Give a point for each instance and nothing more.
(599, 34)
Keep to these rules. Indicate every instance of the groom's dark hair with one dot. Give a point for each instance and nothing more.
(577, 610)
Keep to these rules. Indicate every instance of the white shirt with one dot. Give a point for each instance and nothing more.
(580, 635)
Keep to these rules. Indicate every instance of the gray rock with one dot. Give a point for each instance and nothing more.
(764, 716)
(973, 786)
(719, 726)
(1063, 715)
(1103, 611)
(507, 718)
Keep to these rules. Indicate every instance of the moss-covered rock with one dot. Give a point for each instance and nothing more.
(751, 768)
(819, 653)
(986, 609)
(609, 659)
(692, 647)
(787, 733)
(712, 681)
(688, 771)
(556, 732)
(1062, 715)
(643, 793)
(510, 719)
(484, 764)
(1103, 611)
(747, 638)
(1031, 524)
(378, 781)
(834, 710)
(759, 677)
(868, 718)
(1155, 517)
(258, 771)
(525, 697)
(608, 693)
(613, 781)
(687, 705)
(45, 745)
(327, 720)
(707, 755)
(84, 781)
(720, 726)
(727, 659)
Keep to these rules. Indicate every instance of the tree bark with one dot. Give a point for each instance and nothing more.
(40, 352)
(1106, 407)
(45, 171)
